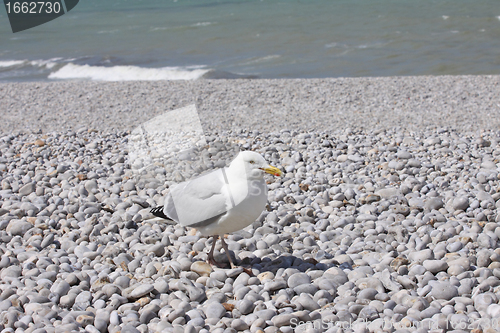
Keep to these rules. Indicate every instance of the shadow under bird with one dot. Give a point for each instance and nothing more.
(223, 201)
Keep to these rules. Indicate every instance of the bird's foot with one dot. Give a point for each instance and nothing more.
(248, 271)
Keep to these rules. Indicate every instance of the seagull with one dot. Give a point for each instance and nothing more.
(220, 202)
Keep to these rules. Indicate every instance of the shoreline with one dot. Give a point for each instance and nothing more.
(465, 103)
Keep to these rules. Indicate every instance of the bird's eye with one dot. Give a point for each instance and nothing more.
(252, 162)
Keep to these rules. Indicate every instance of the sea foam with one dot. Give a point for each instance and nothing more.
(11, 63)
(50, 63)
(127, 73)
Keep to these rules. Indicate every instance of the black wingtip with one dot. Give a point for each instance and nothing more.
(158, 211)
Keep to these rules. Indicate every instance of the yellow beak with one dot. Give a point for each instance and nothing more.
(273, 170)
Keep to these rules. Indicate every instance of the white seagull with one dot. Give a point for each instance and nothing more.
(222, 201)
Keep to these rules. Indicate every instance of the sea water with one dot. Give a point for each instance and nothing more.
(117, 40)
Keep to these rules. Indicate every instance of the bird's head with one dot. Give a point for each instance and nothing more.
(254, 164)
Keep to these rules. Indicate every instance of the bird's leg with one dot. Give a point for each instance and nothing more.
(224, 245)
(210, 258)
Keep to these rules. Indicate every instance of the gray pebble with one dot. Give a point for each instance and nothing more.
(307, 302)
(483, 301)
(11, 271)
(129, 329)
(460, 203)
(18, 227)
(442, 290)
(141, 290)
(245, 306)
(27, 189)
(433, 203)
(435, 266)
(283, 320)
(215, 310)
(239, 325)
(275, 285)
(298, 279)
(82, 301)
(368, 294)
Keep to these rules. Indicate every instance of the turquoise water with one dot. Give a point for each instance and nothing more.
(158, 39)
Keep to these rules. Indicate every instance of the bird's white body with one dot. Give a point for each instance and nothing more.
(245, 212)
(222, 201)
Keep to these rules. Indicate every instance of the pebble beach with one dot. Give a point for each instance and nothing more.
(386, 218)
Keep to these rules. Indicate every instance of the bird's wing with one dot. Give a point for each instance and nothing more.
(198, 202)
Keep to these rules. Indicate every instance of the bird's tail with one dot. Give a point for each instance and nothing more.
(158, 211)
